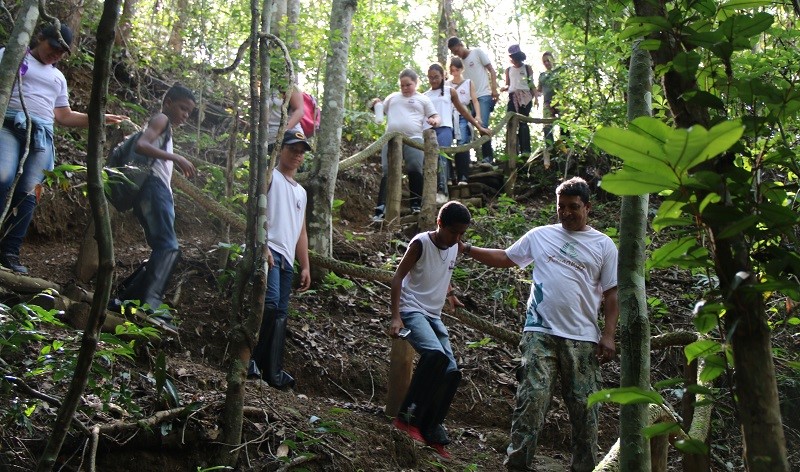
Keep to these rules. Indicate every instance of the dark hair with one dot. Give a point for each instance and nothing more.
(438, 68)
(454, 213)
(548, 53)
(574, 187)
(519, 56)
(453, 41)
(179, 92)
(456, 61)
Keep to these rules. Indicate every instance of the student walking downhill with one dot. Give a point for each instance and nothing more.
(154, 206)
(420, 286)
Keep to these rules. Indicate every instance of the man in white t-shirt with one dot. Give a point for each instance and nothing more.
(574, 274)
(478, 68)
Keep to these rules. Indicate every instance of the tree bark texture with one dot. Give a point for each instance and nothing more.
(401, 366)
(252, 272)
(634, 324)
(102, 221)
(394, 181)
(446, 29)
(427, 217)
(321, 186)
(512, 149)
(16, 49)
(756, 387)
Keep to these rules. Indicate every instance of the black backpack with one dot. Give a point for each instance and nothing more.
(127, 170)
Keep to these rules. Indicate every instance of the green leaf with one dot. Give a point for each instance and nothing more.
(650, 45)
(691, 446)
(686, 63)
(706, 39)
(675, 381)
(653, 128)
(625, 396)
(699, 390)
(720, 138)
(744, 26)
(639, 26)
(706, 8)
(713, 368)
(660, 429)
(171, 393)
(705, 322)
(683, 146)
(704, 99)
(744, 4)
(701, 348)
(633, 182)
(738, 227)
(634, 149)
(666, 255)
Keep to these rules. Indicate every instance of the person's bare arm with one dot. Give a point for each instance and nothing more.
(487, 256)
(302, 257)
(410, 258)
(508, 83)
(146, 145)
(493, 81)
(66, 116)
(466, 114)
(476, 105)
(297, 105)
(606, 349)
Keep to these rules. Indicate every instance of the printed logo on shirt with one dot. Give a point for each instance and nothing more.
(452, 265)
(568, 249)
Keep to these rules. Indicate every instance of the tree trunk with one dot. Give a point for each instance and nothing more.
(326, 165)
(178, 26)
(512, 150)
(16, 48)
(446, 29)
(126, 23)
(427, 217)
(394, 180)
(634, 326)
(401, 366)
(251, 276)
(102, 221)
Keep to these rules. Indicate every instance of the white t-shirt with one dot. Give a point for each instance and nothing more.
(443, 105)
(425, 286)
(43, 87)
(286, 212)
(475, 69)
(462, 90)
(571, 270)
(518, 78)
(407, 115)
(162, 168)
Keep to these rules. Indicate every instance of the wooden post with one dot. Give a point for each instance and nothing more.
(427, 217)
(88, 257)
(401, 365)
(659, 447)
(691, 462)
(511, 149)
(394, 181)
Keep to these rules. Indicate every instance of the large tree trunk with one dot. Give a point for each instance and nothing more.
(126, 23)
(446, 29)
(178, 26)
(102, 221)
(326, 164)
(16, 48)
(756, 387)
(634, 326)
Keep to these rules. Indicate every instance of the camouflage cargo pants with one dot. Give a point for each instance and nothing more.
(545, 358)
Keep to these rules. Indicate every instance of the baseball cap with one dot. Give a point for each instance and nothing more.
(49, 32)
(292, 137)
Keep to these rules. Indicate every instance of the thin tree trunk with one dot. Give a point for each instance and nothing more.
(178, 26)
(326, 165)
(252, 274)
(427, 217)
(634, 326)
(446, 28)
(97, 105)
(126, 23)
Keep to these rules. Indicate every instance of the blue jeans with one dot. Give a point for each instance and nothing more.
(413, 159)
(444, 136)
(23, 201)
(487, 105)
(279, 285)
(428, 334)
(155, 211)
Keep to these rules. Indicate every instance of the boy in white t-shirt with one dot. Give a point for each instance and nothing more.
(419, 289)
(574, 273)
(287, 240)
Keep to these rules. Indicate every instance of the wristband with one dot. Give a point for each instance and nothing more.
(467, 249)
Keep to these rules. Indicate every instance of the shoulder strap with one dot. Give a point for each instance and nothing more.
(167, 135)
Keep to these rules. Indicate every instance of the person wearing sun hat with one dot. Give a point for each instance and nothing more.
(521, 90)
(44, 90)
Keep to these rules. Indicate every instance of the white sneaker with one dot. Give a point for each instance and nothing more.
(378, 218)
(441, 198)
(463, 183)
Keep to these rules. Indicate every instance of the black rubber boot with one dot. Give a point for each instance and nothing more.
(415, 181)
(419, 399)
(148, 283)
(268, 354)
(431, 427)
